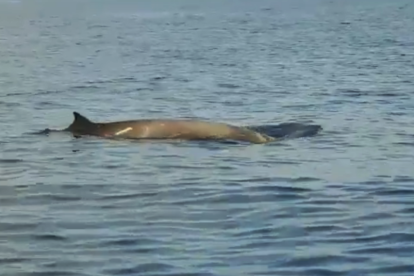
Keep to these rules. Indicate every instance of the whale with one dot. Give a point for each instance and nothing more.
(165, 129)
(187, 130)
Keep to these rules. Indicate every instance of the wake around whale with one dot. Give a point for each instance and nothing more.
(185, 129)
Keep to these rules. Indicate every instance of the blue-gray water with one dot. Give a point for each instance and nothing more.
(339, 203)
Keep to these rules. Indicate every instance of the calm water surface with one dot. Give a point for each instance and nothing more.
(339, 203)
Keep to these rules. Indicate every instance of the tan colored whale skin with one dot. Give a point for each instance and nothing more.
(166, 129)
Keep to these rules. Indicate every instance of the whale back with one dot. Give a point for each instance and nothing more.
(165, 129)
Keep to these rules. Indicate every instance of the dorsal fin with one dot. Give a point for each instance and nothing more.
(81, 120)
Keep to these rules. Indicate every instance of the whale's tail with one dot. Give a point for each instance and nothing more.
(288, 130)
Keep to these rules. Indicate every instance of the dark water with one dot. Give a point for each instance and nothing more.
(339, 203)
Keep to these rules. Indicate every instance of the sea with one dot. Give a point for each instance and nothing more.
(339, 203)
